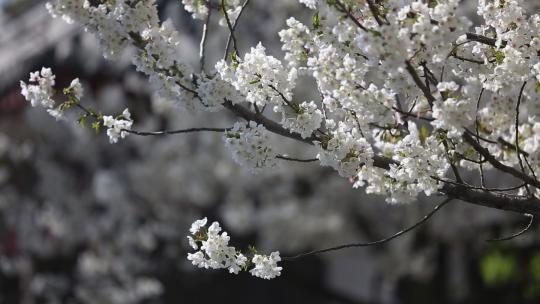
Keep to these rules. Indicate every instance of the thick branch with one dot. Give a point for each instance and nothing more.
(484, 40)
(502, 201)
(269, 124)
(488, 41)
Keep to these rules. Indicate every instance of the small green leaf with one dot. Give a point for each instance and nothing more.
(252, 249)
(96, 125)
(82, 120)
(316, 21)
(424, 134)
(499, 57)
(537, 87)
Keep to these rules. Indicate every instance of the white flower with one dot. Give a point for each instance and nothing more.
(266, 266)
(215, 253)
(294, 39)
(198, 259)
(76, 88)
(197, 8)
(346, 151)
(447, 86)
(193, 243)
(233, 8)
(312, 4)
(306, 121)
(260, 78)
(250, 146)
(453, 114)
(41, 88)
(213, 93)
(197, 225)
(118, 127)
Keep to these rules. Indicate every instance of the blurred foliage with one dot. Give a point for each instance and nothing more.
(533, 290)
(497, 268)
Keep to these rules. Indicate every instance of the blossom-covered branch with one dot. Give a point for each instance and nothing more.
(382, 118)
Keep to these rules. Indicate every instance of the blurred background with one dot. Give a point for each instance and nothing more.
(84, 221)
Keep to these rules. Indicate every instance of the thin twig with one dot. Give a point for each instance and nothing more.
(517, 134)
(476, 126)
(350, 15)
(515, 235)
(309, 160)
(480, 137)
(467, 59)
(478, 188)
(382, 241)
(229, 39)
(413, 115)
(230, 26)
(452, 52)
(287, 102)
(167, 132)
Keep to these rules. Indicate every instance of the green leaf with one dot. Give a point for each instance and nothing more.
(82, 120)
(537, 87)
(316, 21)
(96, 125)
(424, 134)
(499, 57)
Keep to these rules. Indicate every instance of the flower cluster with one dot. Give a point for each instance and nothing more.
(197, 8)
(418, 162)
(266, 266)
(294, 39)
(118, 127)
(250, 146)
(40, 90)
(200, 9)
(312, 4)
(261, 78)
(158, 59)
(214, 91)
(112, 21)
(307, 119)
(214, 252)
(346, 151)
(454, 110)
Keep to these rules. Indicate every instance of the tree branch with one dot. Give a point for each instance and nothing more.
(515, 235)
(495, 163)
(419, 83)
(309, 160)
(165, 132)
(502, 201)
(382, 241)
